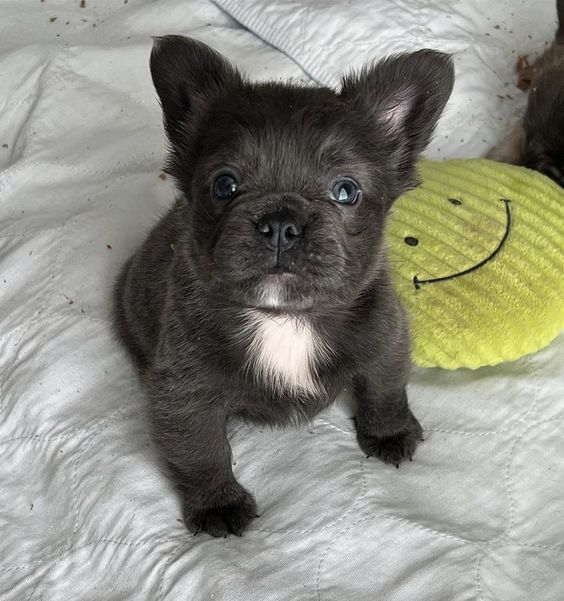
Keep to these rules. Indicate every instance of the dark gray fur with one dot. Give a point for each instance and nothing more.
(536, 141)
(181, 299)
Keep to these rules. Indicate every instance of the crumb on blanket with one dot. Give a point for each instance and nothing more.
(525, 72)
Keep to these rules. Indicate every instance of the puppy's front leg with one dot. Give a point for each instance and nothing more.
(190, 431)
(386, 428)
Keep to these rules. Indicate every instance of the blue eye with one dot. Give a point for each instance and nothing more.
(224, 187)
(345, 191)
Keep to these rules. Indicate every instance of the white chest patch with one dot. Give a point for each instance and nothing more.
(283, 351)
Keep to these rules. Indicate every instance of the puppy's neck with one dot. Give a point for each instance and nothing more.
(284, 351)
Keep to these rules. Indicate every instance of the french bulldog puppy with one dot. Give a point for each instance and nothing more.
(536, 140)
(265, 288)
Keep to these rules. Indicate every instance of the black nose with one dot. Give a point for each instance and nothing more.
(280, 231)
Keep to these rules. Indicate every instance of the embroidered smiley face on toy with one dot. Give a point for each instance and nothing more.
(477, 255)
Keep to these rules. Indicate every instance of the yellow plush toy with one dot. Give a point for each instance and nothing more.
(477, 253)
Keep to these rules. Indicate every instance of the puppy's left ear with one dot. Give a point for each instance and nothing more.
(404, 96)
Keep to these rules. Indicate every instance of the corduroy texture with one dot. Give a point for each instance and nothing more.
(495, 233)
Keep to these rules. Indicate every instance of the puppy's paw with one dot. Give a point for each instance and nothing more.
(395, 448)
(231, 517)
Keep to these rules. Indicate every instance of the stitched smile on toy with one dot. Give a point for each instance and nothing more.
(411, 241)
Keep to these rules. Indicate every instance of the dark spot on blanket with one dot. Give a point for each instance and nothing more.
(497, 27)
(82, 3)
(52, 19)
(109, 246)
(4, 146)
(31, 508)
(162, 176)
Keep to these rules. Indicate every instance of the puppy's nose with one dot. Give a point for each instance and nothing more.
(280, 231)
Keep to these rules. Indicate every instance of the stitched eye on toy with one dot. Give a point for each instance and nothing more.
(411, 241)
(455, 201)
(345, 191)
(224, 187)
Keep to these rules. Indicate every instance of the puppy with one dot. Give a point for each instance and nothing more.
(536, 141)
(265, 288)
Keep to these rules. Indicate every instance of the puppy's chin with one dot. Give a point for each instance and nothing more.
(271, 292)
(281, 292)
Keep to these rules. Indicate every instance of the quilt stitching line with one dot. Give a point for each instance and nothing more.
(343, 516)
(29, 234)
(465, 433)
(90, 544)
(49, 73)
(534, 373)
(525, 417)
(269, 36)
(87, 441)
(326, 422)
(24, 100)
(508, 471)
(393, 518)
(141, 158)
(347, 512)
(89, 437)
(511, 507)
(504, 543)
(171, 554)
(32, 321)
(479, 561)
(59, 548)
(39, 437)
(146, 104)
(99, 321)
(82, 546)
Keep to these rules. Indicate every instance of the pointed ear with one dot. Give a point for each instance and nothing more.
(404, 95)
(187, 75)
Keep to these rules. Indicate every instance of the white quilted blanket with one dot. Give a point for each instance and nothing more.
(85, 514)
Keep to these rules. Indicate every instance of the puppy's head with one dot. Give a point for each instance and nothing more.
(285, 188)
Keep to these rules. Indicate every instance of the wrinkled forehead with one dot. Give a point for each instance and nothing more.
(289, 139)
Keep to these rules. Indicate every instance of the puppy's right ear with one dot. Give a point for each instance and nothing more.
(187, 75)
